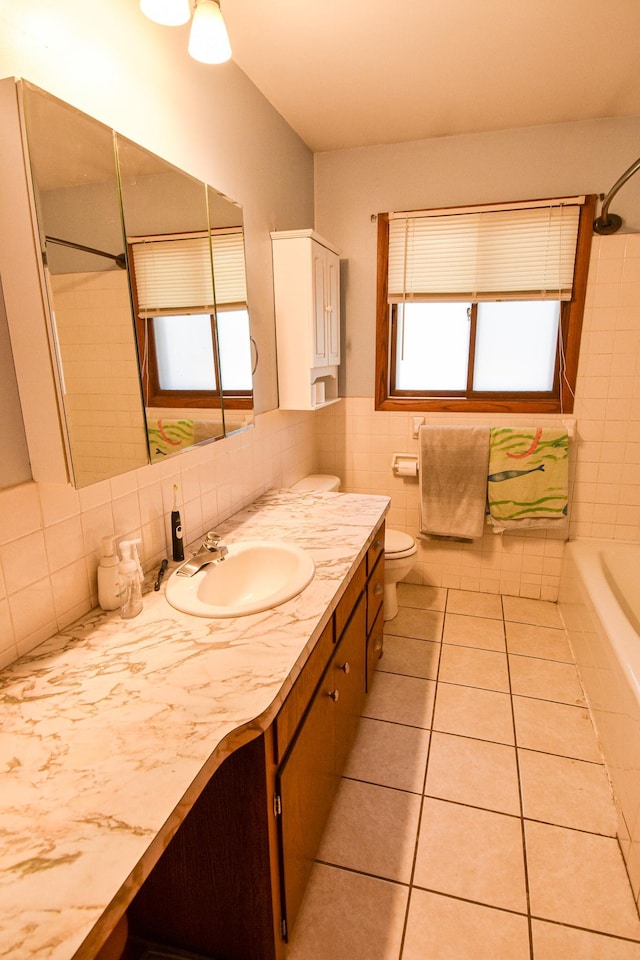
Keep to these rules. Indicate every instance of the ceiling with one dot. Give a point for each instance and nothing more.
(351, 73)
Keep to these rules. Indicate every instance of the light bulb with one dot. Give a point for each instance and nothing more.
(170, 13)
(209, 41)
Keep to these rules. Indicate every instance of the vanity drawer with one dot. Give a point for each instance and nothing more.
(375, 592)
(375, 550)
(300, 695)
(349, 599)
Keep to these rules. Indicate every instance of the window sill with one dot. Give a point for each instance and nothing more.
(462, 405)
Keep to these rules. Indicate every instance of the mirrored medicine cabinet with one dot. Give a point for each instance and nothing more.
(145, 277)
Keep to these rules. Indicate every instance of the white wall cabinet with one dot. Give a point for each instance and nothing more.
(306, 276)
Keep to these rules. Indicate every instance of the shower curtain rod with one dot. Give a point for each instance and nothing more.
(610, 222)
(117, 258)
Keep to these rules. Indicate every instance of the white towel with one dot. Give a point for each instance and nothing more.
(453, 481)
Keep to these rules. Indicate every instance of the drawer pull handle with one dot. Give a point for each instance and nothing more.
(378, 590)
(345, 667)
(334, 694)
(378, 544)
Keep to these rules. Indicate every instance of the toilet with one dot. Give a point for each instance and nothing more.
(399, 548)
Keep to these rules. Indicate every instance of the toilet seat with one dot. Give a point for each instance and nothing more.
(398, 545)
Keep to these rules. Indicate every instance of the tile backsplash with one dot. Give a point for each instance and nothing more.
(357, 443)
(50, 536)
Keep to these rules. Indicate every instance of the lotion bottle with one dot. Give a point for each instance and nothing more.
(108, 576)
(131, 577)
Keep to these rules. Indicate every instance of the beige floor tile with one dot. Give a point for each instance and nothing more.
(398, 699)
(555, 728)
(414, 658)
(529, 640)
(579, 879)
(441, 928)
(543, 613)
(474, 604)
(553, 941)
(474, 668)
(473, 854)
(425, 597)
(474, 772)
(347, 916)
(473, 712)
(565, 792)
(411, 622)
(389, 754)
(373, 830)
(474, 631)
(546, 680)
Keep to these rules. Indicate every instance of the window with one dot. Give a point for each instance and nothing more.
(480, 308)
(193, 333)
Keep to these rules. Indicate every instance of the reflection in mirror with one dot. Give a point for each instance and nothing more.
(80, 226)
(167, 226)
(134, 390)
(186, 257)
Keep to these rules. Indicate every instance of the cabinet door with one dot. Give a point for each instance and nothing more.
(332, 313)
(320, 344)
(306, 784)
(349, 681)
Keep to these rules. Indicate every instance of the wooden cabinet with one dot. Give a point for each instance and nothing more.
(308, 777)
(306, 278)
(230, 883)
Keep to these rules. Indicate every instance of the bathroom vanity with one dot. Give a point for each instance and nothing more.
(182, 769)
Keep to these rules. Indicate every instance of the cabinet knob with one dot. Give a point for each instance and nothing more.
(378, 544)
(378, 590)
(345, 667)
(334, 694)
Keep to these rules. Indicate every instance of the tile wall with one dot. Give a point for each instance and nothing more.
(356, 443)
(50, 536)
(94, 308)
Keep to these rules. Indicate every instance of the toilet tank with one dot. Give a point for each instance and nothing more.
(320, 482)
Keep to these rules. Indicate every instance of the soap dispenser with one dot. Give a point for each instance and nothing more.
(108, 576)
(131, 577)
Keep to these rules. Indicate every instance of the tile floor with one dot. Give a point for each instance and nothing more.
(475, 817)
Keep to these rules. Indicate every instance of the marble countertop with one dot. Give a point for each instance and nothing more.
(111, 729)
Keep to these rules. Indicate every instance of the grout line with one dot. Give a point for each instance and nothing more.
(522, 818)
(424, 786)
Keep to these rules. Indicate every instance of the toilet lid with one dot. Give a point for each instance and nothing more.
(398, 544)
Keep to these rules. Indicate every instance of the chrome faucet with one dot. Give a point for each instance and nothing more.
(211, 550)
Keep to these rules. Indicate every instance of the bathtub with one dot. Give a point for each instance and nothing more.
(599, 600)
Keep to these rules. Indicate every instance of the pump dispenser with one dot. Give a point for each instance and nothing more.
(108, 576)
(131, 577)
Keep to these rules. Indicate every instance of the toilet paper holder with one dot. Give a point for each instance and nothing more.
(404, 464)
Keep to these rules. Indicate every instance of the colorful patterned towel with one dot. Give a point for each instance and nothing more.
(528, 477)
(168, 436)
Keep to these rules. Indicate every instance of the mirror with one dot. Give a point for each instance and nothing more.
(119, 227)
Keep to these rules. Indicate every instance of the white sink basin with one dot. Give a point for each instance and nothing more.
(255, 575)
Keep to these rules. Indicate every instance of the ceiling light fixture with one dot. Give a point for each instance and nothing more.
(208, 39)
(170, 13)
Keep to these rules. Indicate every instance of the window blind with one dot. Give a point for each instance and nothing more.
(173, 274)
(515, 252)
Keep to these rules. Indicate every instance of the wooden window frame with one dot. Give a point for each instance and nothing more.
(560, 400)
(152, 392)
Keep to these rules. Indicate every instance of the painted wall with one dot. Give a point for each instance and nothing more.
(356, 442)
(108, 60)
(548, 161)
